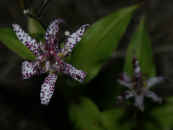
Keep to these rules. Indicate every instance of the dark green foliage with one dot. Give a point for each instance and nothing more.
(140, 46)
(36, 29)
(100, 41)
(164, 115)
(94, 50)
(86, 116)
(9, 39)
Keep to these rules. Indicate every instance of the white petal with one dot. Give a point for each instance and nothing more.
(125, 81)
(153, 96)
(136, 67)
(47, 89)
(53, 29)
(125, 77)
(29, 42)
(153, 81)
(126, 84)
(129, 94)
(73, 39)
(28, 69)
(139, 102)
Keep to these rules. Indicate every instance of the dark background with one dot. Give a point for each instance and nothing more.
(20, 107)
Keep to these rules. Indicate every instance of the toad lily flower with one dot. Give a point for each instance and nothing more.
(139, 88)
(49, 57)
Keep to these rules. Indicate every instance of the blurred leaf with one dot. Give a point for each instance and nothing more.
(86, 116)
(164, 115)
(35, 28)
(113, 120)
(100, 40)
(150, 126)
(107, 85)
(140, 46)
(9, 39)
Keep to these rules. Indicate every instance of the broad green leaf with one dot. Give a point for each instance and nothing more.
(35, 28)
(86, 116)
(100, 40)
(140, 46)
(9, 39)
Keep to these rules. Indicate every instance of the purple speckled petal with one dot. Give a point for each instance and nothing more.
(47, 88)
(53, 29)
(28, 69)
(73, 39)
(76, 74)
(29, 42)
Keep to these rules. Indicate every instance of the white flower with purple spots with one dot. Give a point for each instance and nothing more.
(139, 88)
(49, 57)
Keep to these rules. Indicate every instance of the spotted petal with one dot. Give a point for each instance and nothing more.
(73, 39)
(76, 74)
(53, 29)
(47, 89)
(29, 42)
(28, 69)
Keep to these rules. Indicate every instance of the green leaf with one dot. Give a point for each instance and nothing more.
(112, 119)
(35, 28)
(86, 116)
(164, 114)
(100, 40)
(140, 46)
(9, 39)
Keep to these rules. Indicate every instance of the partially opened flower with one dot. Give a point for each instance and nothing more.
(49, 57)
(138, 87)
